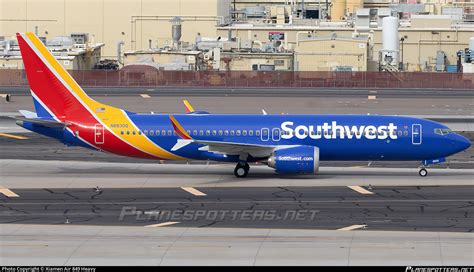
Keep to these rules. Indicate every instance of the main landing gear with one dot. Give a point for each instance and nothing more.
(241, 169)
(423, 172)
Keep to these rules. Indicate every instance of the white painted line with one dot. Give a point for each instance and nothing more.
(145, 96)
(372, 97)
(7, 192)
(360, 190)
(193, 191)
(353, 227)
(3, 95)
(161, 224)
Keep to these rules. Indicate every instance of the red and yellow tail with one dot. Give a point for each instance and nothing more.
(50, 84)
(58, 95)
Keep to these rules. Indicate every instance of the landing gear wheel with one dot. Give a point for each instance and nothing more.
(423, 172)
(241, 170)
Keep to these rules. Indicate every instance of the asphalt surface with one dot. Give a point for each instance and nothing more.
(408, 208)
(38, 147)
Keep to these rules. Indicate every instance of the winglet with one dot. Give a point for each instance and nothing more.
(179, 129)
(188, 106)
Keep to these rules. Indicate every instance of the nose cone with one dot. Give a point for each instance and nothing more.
(461, 143)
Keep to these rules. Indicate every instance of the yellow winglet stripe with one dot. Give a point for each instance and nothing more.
(188, 106)
(179, 129)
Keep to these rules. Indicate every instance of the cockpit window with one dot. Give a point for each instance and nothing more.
(442, 131)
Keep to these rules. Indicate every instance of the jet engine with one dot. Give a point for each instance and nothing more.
(295, 160)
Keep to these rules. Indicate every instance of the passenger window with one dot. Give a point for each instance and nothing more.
(250, 132)
(146, 132)
(220, 132)
(163, 132)
(189, 132)
(214, 133)
(226, 133)
(244, 133)
(232, 133)
(169, 132)
(157, 132)
(405, 133)
(195, 132)
(208, 132)
(153, 132)
(128, 132)
(237, 133)
(133, 132)
(257, 132)
(139, 132)
(121, 132)
(201, 132)
(399, 133)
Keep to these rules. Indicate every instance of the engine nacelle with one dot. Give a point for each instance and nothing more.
(295, 160)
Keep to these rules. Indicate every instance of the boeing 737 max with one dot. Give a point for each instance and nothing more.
(288, 143)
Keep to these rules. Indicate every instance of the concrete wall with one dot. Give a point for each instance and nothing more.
(111, 21)
(245, 61)
(325, 55)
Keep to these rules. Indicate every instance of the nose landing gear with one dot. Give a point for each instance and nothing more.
(423, 172)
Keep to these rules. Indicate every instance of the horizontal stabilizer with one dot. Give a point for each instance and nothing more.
(41, 122)
(28, 114)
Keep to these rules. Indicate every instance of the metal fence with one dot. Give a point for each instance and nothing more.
(253, 79)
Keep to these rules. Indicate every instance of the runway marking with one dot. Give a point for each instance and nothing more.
(161, 224)
(7, 192)
(13, 136)
(371, 97)
(193, 191)
(353, 227)
(145, 96)
(360, 190)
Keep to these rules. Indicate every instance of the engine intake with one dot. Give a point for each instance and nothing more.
(295, 160)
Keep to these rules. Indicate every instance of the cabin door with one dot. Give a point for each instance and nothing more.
(416, 134)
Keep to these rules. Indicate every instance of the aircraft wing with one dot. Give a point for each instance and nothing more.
(228, 148)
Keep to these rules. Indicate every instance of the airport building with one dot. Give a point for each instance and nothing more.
(249, 35)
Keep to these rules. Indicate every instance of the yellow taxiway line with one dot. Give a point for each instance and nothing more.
(360, 190)
(7, 192)
(13, 136)
(193, 191)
